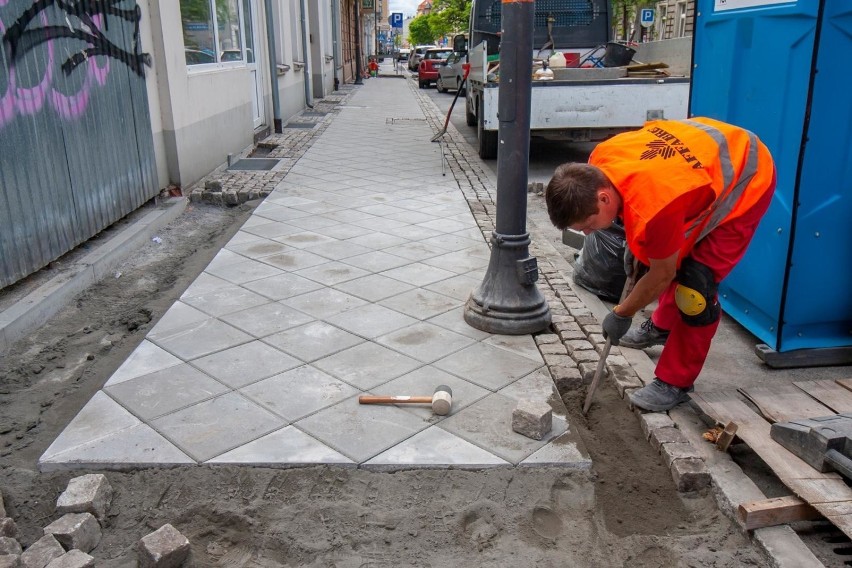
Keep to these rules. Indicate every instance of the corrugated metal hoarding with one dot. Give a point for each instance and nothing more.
(76, 149)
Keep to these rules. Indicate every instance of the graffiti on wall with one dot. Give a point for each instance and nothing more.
(70, 45)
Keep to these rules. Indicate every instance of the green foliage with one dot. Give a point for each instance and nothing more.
(450, 16)
(420, 31)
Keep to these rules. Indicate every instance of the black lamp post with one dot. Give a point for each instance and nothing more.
(358, 69)
(507, 301)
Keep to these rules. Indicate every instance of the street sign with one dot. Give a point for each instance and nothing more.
(395, 20)
(647, 17)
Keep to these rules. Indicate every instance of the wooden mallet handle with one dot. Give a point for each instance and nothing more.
(370, 399)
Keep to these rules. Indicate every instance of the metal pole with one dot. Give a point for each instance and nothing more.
(507, 301)
(376, 30)
(273, 68)
(358, 69)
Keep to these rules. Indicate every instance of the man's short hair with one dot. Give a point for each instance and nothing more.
(572, 194)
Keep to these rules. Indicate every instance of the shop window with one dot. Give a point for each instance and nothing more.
(213, 32)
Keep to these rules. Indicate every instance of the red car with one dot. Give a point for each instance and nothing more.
(427, 72)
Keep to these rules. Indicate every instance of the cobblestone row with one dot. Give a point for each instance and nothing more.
(232, 187)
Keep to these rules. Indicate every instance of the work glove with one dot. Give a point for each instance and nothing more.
(615, 326)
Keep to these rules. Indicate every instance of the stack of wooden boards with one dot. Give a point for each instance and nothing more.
(824, 493)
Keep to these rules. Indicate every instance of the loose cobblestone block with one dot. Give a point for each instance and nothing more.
(573, 345)
(558, 360)
(164, 548)
(654, 421)
(73, 559)
(581, 313)
(532, 419)
(587, 370)
(546, 338)
(587, 356)
(9, 545)
(562, 319)
(2, 506)
(552, 349)
(86, 494)
(625, 380)
(679, 451)
(615, 359)
(569, 331)
(10, 561)
(76, 530)
(662, 436)
(567, 379)
(8, 527)
(690, 474)
(593, 329)
(598, 340)
(41, 552)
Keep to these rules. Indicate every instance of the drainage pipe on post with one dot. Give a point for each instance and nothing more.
(359, 70)
(335, 38)
(273, 68)
(306, 72)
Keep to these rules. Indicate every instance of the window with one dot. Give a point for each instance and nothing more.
(662, 18)
(680, 19)
(213, 31)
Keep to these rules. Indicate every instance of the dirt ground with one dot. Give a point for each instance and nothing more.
(626, 512)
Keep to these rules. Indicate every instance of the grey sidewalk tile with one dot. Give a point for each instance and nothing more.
(418, 274)
(348, 216)
(565, 450)
(200, 339)
(287, 447)
(246, 364)
(338, 250)
(376, 261)
(416, 250)
(178, 316)
(225, 258)
(226, 300)
(242, 237)
(258, 248)
(413, 232)
(291, 261)
(332, 273)
(216, 426)
(361, 431)
(538, 385)
(278, 214)
(370, 320)
(299, 392)
(378, 241)
(454, 321)
(410, 217)
(374, 287)
(421, 304)
(267, 319)
(459, 287)
(380, 224)
(431, 448)
(304, 239)
(132, 448)
(283, 286)
(99, 418)
(324, 303)
(245, 271)
(319, 207)
(165, 391)
(312, 223)
(487, 366)
(343, 231)
(367, 365)
(456, 242)
(380, 210)
(146, 358)
(445, 225)
(460, 262)
(273, 229)
(488, 424)
(425, 342)
(423, 382)
(313, 341)
(523, 345)
(288, 200)
(204, 284)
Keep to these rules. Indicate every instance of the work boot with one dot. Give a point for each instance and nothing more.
(659, 396)
(646, 335)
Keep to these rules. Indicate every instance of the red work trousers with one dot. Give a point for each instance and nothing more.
(687, 346)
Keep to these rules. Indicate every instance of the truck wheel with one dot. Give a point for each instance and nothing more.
(469, 117)
(487, 138)
(422, 84)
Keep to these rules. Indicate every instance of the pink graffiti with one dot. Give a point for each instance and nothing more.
(31, 100)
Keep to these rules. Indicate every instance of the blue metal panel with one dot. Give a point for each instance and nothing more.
(754, 67)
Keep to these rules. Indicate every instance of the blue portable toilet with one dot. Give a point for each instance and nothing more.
(781, 68)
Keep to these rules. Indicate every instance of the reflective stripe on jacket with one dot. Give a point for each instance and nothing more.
(668, 159)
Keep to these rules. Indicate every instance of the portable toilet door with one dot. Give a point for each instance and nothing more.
(780, 68)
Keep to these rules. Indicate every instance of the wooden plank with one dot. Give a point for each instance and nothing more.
(772, 512)
(829, 393)
(845, 383)
(783, 402)
(819, 357)
(727, 436)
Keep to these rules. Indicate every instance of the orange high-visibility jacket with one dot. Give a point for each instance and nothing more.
(667, 159)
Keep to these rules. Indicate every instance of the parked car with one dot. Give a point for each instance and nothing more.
(450, 73)
(416, 55)
(427, 71)
(403, 54)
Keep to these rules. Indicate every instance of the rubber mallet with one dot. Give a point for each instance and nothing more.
(441, 401)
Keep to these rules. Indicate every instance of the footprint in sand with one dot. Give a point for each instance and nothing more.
(546, 523)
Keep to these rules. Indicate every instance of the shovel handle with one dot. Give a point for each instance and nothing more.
(598, 374)
(370, 399)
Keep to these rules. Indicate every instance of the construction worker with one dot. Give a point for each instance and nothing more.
(690, 194)
(374, 67)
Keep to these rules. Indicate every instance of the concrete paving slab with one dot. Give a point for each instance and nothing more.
(361, 431)
(246, 364)
(298, 393)
(418, 274)
(243, 270)
(267, 319)
(367, 365)
(325, 302)
(165, 391)
(488, 366)
(371, 320)
(204, 284)
(425, 342)
(273, 229)
(375, 287)
(538, 385)
(454, 321)
(332, 273)
(258, 248)
(226, 300)
(290, 261)
(523, 345)
(179, 316)
(421, 304)
(488, 424)
(213, 427)
(146, 358)
(313, 341)
(283, 286)
(432, 448)
(200, 338)
(459, 287)
(287, 447)
(338, 250)
(379, 241)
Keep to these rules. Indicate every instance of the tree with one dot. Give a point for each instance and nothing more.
(450, 16)
(623, 11)
(420, 32)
